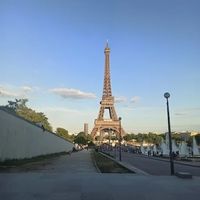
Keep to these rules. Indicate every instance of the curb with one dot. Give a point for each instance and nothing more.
(94, 163)
(183, 175)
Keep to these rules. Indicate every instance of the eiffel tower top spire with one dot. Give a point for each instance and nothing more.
(107, 44)
(107, 92)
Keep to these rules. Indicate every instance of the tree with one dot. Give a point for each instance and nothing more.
(157, 140)
(177, 137)
(128, 137)
(35, 117)
(20, 108)
(62, 131)
(72, 137)
(64, 134)
(89, 138)
(153, 138)
(80, 140)
(140, 137)
(83, 139)
(81, 134)
(17, 104)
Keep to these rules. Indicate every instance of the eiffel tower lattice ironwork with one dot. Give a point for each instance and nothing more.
(113, 124)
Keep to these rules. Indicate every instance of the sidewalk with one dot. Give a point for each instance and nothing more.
(96, 186)
(77, 162)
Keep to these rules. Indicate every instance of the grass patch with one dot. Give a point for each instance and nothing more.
(19, 162)
(107, 165)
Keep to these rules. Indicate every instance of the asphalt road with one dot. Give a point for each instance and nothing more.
(156, 167)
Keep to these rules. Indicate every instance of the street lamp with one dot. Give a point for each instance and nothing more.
(167, 95)
(109, 130)
(120, 138)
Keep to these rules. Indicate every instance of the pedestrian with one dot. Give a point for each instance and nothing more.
(43, 127)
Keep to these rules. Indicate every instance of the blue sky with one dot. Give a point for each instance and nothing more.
(52, 52)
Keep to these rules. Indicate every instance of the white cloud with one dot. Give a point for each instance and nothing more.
(7, 93)
(120, 99)
(26, 89)
(11, 91)
(135, 99)
(72, 93)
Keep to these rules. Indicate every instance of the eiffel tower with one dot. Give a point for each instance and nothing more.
(113, 124)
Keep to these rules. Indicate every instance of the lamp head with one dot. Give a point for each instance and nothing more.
(167, 95)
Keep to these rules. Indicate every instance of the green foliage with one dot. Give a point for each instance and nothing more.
(129, 137)
(150, 138)
(89, 138)
(17, 104)
(83, 139)
(81, 134)
(64, 134)
(140, 137)
(35, 117)
(177, 137)
(162, 136)
(72, 137)
(20, 108)
(156, 139)
(80, 140)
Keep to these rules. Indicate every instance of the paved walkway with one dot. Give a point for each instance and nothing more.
(77, 162)
(75, 178)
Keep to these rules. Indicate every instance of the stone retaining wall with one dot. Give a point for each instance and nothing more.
(21, 139)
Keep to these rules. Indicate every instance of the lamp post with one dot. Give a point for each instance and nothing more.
(109, 135)
(167, 95)
(120, 138)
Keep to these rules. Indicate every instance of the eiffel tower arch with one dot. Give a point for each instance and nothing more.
(113, 124)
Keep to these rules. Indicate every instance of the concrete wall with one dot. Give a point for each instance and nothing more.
(20, 139)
